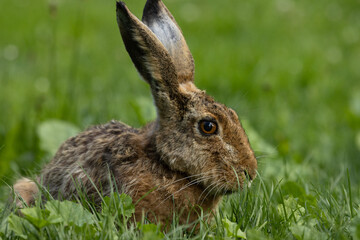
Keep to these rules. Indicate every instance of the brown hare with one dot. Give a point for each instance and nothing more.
(194, 152)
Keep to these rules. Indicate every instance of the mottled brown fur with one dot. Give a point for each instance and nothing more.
(170, 161)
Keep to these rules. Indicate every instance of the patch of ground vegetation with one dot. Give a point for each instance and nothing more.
(289, 68)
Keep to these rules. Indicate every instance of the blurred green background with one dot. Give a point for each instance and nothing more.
(291, 70)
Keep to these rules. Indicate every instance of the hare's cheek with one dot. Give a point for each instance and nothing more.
(230, 150)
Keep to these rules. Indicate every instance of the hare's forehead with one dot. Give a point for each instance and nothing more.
(203, 107)
(201, 104)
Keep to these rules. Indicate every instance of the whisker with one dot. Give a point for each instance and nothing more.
(191, 183)
(215, 186)
(203, 177)
(208, 187)
(181, 179)
(219, 190)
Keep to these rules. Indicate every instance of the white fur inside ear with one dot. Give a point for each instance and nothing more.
(167, 32)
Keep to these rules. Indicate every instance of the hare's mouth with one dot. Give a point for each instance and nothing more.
(243, 179)
(248, 177)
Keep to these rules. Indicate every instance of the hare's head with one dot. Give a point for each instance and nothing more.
(194, 135)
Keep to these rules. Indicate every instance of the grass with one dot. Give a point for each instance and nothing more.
(266, 211)
(290, 70)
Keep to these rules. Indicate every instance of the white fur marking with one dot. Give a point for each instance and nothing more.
(188, 88)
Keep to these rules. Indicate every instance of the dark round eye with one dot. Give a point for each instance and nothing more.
(208, 127)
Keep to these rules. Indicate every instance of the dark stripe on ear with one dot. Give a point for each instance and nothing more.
(151, 59)
(134, 42)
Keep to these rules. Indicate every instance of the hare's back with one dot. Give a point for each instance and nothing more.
(90, 154)
(94, 143)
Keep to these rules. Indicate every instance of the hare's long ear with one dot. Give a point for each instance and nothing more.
(151, 59)
(158, 18)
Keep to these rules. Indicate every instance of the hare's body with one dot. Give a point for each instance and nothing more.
(129, 156)
(195, 151)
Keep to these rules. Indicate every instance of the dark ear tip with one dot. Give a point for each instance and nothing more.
(152, 1)
(151, 9)
(120, 6)
(122, 11)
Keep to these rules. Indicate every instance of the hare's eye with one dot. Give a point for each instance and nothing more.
(208, 127)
